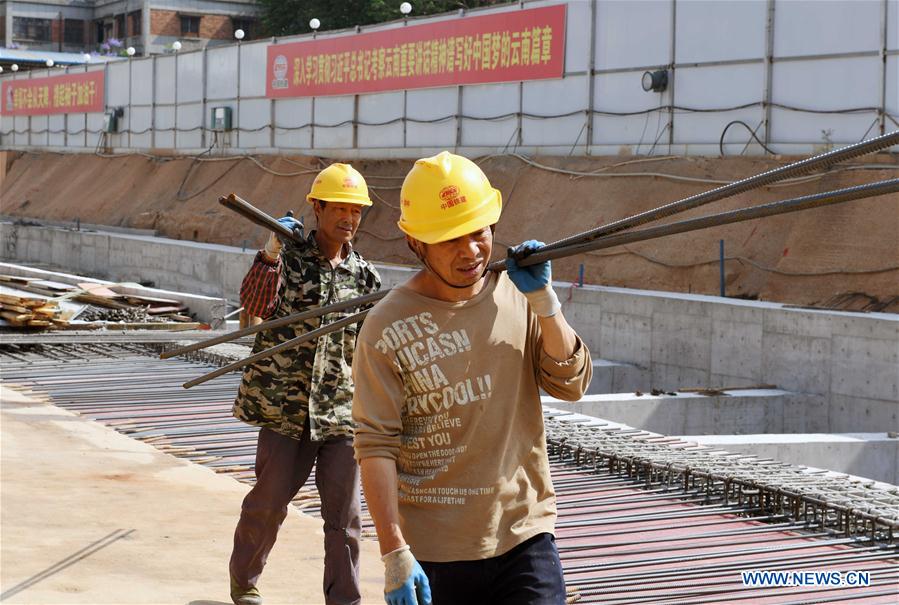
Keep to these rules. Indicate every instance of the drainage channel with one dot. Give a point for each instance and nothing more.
(643, 518)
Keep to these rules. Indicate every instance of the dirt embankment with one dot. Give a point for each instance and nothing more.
(809, 257)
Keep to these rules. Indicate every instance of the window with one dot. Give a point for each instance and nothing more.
(120, 31)
(73, 32)
(104, 31)
(135, 18)
(190, 25)
(247, 25)
(29, 29)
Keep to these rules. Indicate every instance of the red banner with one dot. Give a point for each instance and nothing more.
(505, 47)
(71, 93)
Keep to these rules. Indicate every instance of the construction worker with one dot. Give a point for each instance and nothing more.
(302, 398)
(449, 425)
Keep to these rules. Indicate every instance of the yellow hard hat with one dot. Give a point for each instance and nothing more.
(447, 196)
(340, 183)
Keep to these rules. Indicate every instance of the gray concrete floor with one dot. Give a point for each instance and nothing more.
(91, 516)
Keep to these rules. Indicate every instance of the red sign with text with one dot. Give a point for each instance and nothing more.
(510, 46)
(71, 93)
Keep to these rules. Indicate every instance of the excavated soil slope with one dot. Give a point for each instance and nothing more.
(813, 257)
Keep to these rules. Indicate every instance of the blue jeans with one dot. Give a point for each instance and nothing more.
(529, 574)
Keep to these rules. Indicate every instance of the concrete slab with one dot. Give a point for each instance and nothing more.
(737, 412)
(91, 516)
(870, 455)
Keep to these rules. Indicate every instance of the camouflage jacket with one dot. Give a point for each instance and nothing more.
(313, 379)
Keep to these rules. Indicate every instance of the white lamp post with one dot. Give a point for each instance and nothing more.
(314, 24)
(176, 45)
(239, 34)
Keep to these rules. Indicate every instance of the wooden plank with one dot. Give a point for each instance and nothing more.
(14, 308)
(166, 326)
(98, 290)
(15, 279)
(139, 299)
(162, 310)
(52, 285)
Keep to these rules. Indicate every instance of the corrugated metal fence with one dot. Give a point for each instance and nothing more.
(799, 75)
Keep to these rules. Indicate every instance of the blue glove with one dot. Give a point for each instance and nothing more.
(274, 244)
(293, 224)
(534, 281)
(405, 582)
(531, 278)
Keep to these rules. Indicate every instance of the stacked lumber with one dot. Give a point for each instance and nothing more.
(38, 303)
(20, 312)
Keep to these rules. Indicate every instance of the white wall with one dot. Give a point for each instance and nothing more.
(825, 73)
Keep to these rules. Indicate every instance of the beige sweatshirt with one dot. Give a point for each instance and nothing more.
(450, 392)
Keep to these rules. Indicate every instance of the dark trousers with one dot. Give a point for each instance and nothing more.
(529, 574)
(282, 467)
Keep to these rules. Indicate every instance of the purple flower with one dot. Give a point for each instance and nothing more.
(114, 42)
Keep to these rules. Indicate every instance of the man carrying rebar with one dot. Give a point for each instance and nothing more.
(449, 425)
(302, 398)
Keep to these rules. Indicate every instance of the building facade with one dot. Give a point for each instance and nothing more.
(150, 26)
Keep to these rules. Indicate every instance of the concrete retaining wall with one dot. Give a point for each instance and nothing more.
(209, 269)
(850, 360)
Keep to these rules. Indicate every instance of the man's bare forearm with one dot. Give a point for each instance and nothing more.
(559, 339)
(380, 484)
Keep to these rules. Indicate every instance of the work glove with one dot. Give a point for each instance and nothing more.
(274, 244)
(405, 582)
(534, 281)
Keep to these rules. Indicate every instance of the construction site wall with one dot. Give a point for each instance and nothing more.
(752, 62)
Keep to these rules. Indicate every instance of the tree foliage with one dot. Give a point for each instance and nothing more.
(288, 17)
